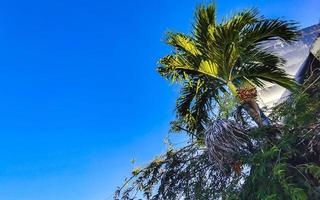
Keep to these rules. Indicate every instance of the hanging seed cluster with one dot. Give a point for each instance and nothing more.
(225, 140)
(247, 94)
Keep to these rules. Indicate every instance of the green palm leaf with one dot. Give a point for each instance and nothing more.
(224, 55)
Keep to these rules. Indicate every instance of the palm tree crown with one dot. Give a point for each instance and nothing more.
(218, 58)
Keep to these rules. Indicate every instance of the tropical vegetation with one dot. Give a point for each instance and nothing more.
(227, 57)
(234, 151)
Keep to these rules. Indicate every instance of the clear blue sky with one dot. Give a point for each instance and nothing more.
(79, 94)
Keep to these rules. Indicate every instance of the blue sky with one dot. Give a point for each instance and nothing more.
(79, 94)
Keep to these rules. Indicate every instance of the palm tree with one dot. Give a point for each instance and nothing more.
(226, 57)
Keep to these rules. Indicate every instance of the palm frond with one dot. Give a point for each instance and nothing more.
(221, 55)
(269, 73)
(259, 55)
(225, 141)
(241, 20)
(195, 101)
(183, 43)
(224, 45)
(205, 19)
(175, 67)
(269, 29)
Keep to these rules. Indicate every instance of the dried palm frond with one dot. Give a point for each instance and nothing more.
(225, 141)
(314, 143)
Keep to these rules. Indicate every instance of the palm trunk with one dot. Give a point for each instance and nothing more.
(252, 107)
(254, 111)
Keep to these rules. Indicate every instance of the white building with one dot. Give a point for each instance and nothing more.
(295, 56)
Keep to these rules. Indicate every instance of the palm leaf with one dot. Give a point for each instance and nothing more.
(270, 29)
(176, 67)
(205, 19)
(194, 102)
(269, 73)
(182, 43)
(223, 55)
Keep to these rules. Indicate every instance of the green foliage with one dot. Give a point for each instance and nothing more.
(185, 171)
(282, 162)
(312, 169)
(219, 57)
